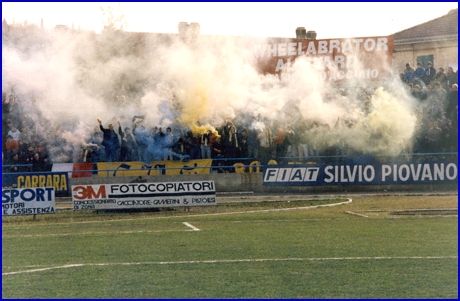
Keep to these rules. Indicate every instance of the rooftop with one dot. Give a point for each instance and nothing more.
(442, 28)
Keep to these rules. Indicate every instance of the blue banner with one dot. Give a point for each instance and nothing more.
(58, 180)
(372, 173)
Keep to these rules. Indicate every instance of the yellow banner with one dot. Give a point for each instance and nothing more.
(135, 169)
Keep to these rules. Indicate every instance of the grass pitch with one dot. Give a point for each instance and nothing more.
(256, 249)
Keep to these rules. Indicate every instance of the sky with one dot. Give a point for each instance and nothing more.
(257, 19)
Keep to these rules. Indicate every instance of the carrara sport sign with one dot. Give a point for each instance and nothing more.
(38, 200)
(143, 195)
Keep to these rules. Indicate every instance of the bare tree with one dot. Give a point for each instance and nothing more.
(113, 18)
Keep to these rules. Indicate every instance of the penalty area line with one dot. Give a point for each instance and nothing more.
(228, 261)
(348, 201)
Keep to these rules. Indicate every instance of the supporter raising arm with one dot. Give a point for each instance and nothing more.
(110, 142)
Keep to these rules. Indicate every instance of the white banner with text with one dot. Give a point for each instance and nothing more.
(143, 195)
(39, 200)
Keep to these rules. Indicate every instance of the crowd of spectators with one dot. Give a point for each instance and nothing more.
(22, 142)
(36, 141)
(436, 93)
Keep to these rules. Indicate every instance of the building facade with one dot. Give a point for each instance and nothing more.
(435, 41)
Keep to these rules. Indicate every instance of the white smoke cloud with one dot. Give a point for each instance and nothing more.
(74, 79)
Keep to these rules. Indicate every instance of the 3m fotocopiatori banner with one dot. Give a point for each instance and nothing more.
(361, 174)
(28, 201)
(143, 195)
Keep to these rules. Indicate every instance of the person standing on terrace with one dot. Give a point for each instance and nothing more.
(110, 142)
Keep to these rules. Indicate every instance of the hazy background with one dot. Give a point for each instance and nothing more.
(264, 19)
(70, 79)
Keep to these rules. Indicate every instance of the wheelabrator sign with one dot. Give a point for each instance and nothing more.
(143, 195)
(375, 173)
(359, 58)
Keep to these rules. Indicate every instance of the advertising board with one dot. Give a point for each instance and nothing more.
(28, 201)
(375, 173)
(143, 195)
(58, 180)
(361, 58)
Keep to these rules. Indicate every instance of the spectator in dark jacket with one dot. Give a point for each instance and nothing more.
(430, 73)
(110, 142)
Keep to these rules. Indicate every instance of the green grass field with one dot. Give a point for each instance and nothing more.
(356, 250)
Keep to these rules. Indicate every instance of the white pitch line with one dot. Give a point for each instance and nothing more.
(354, 213)
(191, 226)
(45, 269)
(227, 261)
(349, 201)
(93, 233)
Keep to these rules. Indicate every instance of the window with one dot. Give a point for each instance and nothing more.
(424, 59)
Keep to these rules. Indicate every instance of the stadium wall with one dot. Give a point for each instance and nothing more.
(252, 183)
